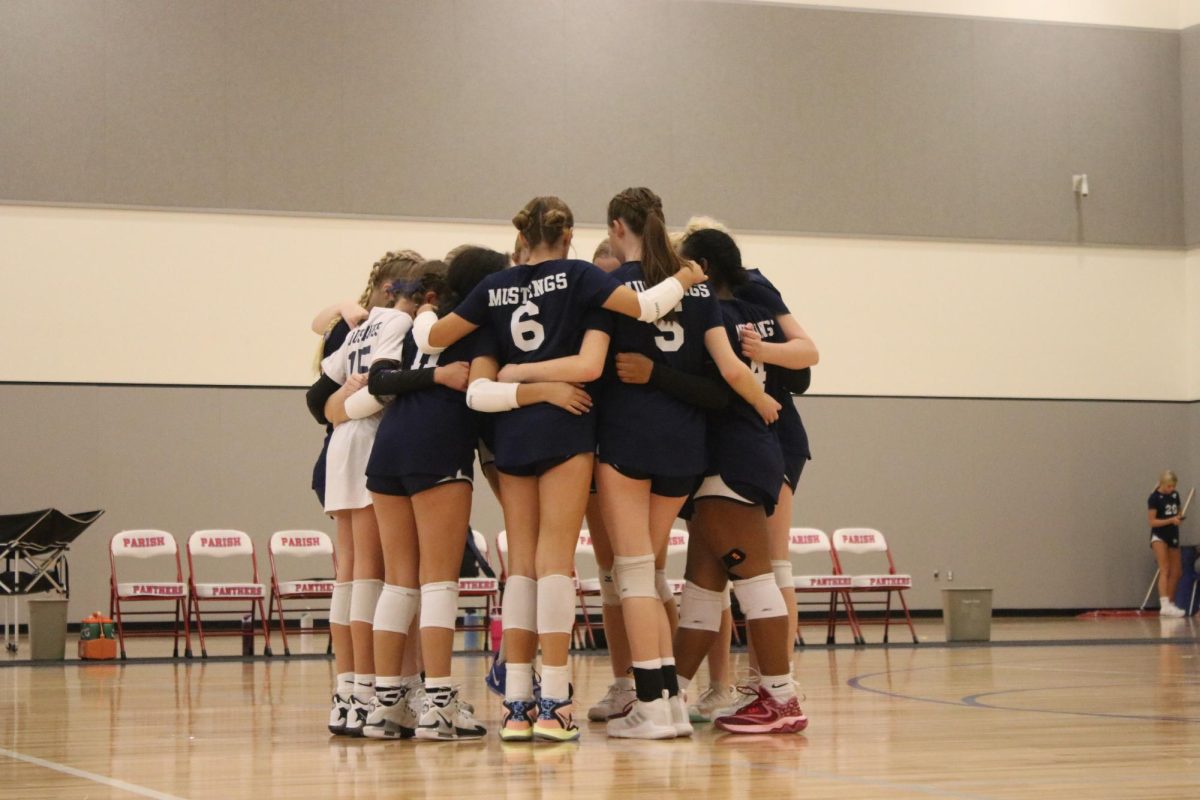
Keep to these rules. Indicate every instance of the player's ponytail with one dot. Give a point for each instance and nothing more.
(642, 212)
(470, 267)
(716, 251)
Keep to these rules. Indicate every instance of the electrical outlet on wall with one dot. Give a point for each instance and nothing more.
(949, 574)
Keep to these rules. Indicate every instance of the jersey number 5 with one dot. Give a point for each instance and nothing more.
(527, 333)
(670, 333)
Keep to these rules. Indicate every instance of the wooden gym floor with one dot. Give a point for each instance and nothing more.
(1113, 714)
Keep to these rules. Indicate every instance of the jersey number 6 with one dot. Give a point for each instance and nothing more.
(527, 333)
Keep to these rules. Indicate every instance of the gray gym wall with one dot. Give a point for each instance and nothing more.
(1042, 500)
(771, 117)
(774, 118)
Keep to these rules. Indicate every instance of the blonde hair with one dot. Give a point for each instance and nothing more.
(701, 223)
(1168, 478)
(393, 266)
(603, 250)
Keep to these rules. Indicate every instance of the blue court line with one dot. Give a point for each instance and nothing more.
(972, 701)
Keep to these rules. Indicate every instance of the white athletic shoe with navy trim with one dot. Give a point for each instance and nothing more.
(390, 720)
(449, 723)
(338, 714)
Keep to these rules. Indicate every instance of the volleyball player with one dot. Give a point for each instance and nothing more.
(326, 400)
(1163, 511)
(422, 470)
(729, 519)
(535, 313)
(642, 489)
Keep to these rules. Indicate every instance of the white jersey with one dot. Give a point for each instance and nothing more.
(381, 335)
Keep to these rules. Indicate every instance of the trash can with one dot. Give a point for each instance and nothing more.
(967, 614)
(48, 629)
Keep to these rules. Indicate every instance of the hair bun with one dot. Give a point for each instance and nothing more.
(521, 221)
(554, 218)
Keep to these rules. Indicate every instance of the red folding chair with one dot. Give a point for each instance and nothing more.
(294, 545)
(472, 589)
(859, 541)
(808, 543)
(206, 545)
(144, 545)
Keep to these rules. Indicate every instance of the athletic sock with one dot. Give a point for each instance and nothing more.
(345, 684)
(683, 683)
(670, 677)
(648, 680)
(364, 687)
(389, 689)
(439, 691)
(411, 681)
(624, 683)
(556, 681)
(518, 683)
(781, 687)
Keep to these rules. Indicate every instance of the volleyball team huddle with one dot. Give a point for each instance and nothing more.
(656, 383)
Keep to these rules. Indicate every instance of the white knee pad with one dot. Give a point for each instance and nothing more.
(783, 574)
(339, 605)
(609, 595)
(555, 604)
(700, 609)
(634, 576)
(759, 597)
(726, 597)
(519, 605)
(396, 609)
(363, 597)
(439, 604)
(663, 586)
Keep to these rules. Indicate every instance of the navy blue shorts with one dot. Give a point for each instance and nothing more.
(1170, 539)
(537, 468)
(409, 485)
(661, 485)
(793, 468)
(318, 475)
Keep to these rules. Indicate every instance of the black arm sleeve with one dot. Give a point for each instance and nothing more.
(708, 392)
(387, 379)
(318, 394)
(796, 381)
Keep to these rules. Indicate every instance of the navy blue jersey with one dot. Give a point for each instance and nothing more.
(790, 429)
(741, 448)
(1165, 506)
(537, 313)
(644, 428)
(332, 343)
(429, 432)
